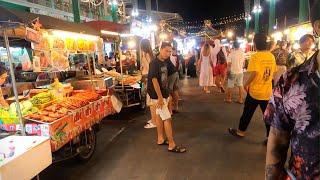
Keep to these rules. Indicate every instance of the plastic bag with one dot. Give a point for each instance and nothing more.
(117, 105)
(25, 61)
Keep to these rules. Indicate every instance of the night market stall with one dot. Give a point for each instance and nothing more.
(66, 113)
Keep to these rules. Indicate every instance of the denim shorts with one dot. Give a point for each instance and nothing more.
(235, 80)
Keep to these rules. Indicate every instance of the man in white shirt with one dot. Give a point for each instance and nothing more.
(235, 61)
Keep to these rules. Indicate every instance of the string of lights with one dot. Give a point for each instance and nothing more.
(219, 21)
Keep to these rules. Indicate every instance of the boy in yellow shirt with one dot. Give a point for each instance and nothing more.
(261, 68)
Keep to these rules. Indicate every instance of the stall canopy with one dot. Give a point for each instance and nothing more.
(108, 26)
(47, 22)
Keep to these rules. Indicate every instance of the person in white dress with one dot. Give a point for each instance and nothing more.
(206, 68)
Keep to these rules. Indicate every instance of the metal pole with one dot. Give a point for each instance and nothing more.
(90, 71)
(247, 28)
(272, 14)
(76, 11)
(13, 79)
(157, 2)
(303, 11)
(256, 19)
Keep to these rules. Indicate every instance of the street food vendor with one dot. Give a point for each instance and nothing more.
(3, 78)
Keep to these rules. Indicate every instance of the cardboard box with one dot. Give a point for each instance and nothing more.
(23, 157)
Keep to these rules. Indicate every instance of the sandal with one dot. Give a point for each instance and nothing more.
(227, 101)
(239, 102)
(233, 132)
(222, 90)
(178, 149)
(165, 142)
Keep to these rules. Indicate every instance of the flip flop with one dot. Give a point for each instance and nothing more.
(227, 101)
(233, 132)
(178, 149)
(165, 142)
(239, 102)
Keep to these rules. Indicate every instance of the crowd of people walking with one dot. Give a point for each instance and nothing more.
(284, 84)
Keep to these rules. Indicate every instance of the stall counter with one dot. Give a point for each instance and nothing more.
(23, 157)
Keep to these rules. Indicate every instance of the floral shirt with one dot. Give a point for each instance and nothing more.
(298, 57)
(294, 107)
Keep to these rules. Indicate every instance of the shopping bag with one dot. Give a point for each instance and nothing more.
(116, 103)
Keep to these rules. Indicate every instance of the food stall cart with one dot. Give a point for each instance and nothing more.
(68, 117)
(16, 152)
(70, 112)
(126, 85)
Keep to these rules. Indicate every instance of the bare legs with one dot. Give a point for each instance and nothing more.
(164, 129)
(220, 82)
(229, 94)
(241, 92)
(153, 114)
(175, 100)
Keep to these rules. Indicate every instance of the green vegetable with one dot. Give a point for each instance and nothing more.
(27, 105)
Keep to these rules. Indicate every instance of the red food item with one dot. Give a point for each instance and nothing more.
(48, 119)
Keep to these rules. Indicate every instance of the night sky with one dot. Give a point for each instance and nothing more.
(210, 9)
(197, 10)
(201, 9)
(192, 10)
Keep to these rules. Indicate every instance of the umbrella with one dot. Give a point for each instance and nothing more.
(10, 21)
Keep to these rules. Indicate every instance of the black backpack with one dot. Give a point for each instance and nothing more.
(221, 58)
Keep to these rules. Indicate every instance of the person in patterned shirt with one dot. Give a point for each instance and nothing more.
(293, 113)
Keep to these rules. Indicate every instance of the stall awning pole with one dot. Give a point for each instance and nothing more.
(13, 79)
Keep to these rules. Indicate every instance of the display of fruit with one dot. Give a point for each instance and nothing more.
(25, 106)
(71, 44)
(91, 45)
(59, 110)
(42, 98)
(81, 44)
(58, 43)
(7, 118)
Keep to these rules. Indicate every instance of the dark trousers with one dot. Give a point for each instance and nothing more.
(250, 107)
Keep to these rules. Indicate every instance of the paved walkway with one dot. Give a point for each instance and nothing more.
(201, 126)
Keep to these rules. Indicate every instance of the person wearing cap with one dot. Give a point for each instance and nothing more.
(293, 113)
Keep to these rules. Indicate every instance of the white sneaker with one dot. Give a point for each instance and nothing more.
(150, 126)
(150, 121)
